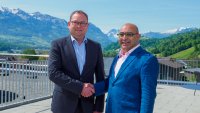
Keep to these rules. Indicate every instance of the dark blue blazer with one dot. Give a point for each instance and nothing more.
(64, 72)
(133, 90)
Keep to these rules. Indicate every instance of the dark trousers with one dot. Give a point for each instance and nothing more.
(79, 107)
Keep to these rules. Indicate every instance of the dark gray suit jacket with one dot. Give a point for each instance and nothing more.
(64, 72)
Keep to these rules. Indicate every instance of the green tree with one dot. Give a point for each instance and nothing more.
(30, 52)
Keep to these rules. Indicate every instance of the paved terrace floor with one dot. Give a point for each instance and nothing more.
(170, 99)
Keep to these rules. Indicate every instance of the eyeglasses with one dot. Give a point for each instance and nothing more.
(127, 34)
(79, 23)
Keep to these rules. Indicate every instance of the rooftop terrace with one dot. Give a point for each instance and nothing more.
(26, 88)
(170, 99)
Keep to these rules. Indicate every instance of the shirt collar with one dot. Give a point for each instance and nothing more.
(127, 53)
(74, 40)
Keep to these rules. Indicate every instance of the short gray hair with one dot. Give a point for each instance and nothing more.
(80, 12)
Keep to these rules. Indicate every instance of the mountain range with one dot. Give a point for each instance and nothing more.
(113, 33)
(36, 30)
(39, 29)
(168, 32)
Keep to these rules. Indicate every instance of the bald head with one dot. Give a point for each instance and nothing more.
(128, 37)
(131, 27)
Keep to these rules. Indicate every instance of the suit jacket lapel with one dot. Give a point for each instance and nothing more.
(70, 53)
(112, 70)
(128, 60)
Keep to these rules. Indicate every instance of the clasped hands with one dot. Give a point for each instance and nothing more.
(88, 90)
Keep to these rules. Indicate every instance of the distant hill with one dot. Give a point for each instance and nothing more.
(20, 29)
(165, 47)
(8, 42)
(187, 54)
(168, 32)
(112, 34)
(177, 43)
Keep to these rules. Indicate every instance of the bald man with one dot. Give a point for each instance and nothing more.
(132, 80)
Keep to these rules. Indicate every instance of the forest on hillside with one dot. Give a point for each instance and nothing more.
(166, 46)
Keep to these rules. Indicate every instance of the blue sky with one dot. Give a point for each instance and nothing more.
(149, 15)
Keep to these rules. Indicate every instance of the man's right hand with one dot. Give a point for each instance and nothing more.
(88, 90)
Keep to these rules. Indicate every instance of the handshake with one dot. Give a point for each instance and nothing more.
(88, 90)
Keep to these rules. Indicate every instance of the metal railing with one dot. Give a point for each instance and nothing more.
(177, 72)
(22, 82)
(171, 71)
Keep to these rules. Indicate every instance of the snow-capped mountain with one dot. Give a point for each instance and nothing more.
(37, 15)
(168, 32)
(112, 34)
(17, 12)
(155, 35)
(180, 30)
(16, 22)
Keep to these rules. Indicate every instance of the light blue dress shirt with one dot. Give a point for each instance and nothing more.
(80, 52)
